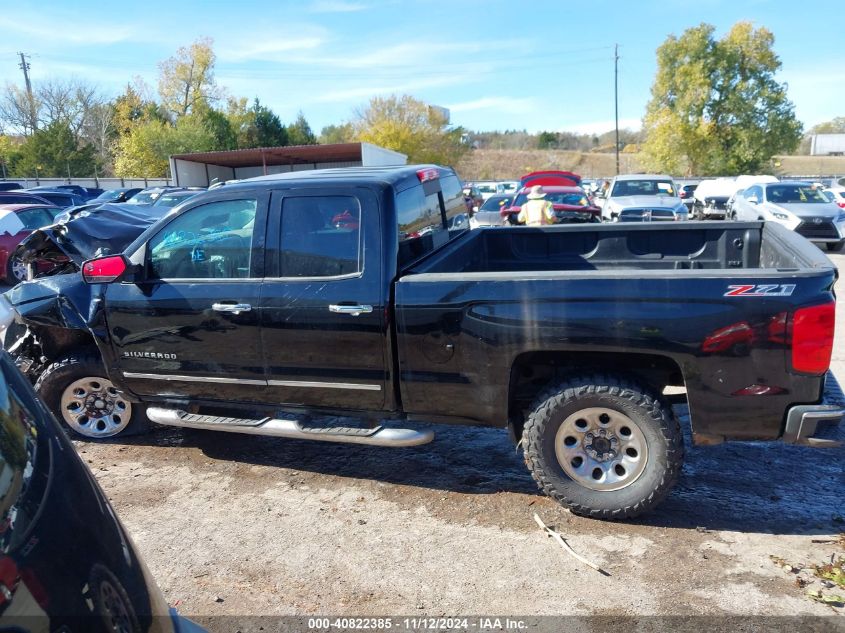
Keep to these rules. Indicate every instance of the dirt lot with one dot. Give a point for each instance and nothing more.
(236, 525)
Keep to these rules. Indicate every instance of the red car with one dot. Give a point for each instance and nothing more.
(572, 205)
(552, 178)
(16, 222)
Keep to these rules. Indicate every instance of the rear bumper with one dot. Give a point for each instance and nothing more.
(817, 424)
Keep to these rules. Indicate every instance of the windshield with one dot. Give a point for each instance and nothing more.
(171, 200)
(494, 203)
(794, 194)
(109, 195)
(144, 197)
(573, 199)
(643, 188)
(486, 188)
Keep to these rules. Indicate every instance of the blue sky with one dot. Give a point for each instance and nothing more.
(497, 64)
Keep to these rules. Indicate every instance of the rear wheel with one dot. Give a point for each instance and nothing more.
(604, 447)
(78, 392)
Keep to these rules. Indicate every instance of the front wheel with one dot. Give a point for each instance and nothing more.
(15, 270)
(78, 392)
(603, 446)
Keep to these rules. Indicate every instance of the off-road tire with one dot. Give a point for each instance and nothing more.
(60, 374)
(652, 415)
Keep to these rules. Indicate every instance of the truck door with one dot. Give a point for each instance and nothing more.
(323, 305)
(191, 325)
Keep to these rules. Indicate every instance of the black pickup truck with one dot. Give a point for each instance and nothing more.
(334, 304)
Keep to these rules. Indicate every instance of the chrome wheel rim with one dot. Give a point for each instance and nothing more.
(93, 407)
(601, 449)
(18, 270)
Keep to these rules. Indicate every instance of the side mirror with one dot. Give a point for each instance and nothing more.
(108, 269)
(752, 200)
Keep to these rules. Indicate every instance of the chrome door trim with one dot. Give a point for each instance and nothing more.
(228, 381)
(324, 385)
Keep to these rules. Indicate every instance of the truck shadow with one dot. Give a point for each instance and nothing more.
(744, 487)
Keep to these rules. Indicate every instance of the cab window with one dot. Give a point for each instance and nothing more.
(321, 236)
(457, 218)
(211, 241)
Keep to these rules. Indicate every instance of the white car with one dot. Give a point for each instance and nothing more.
(837, 195)
(798, 206)
(643, 197)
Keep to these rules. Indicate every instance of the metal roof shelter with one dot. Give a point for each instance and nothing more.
(827, 145)
(201, 169)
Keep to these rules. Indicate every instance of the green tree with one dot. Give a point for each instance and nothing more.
(186, 81)
(299, 132)
(54, 151)
(146, 150)
(264, 129)
(407, 125)
(343, 133)
(9, 155)
(219, 126)
(547, 140)
(835, 126)
(716, 107)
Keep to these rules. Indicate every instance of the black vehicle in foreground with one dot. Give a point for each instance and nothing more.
(275, 305)
(66, 562)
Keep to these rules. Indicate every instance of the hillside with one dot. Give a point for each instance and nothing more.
(493, 164)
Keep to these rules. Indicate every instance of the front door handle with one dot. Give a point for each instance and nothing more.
(351, 310)
(234, 308)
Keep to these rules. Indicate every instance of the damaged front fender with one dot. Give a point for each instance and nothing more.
(54, 316)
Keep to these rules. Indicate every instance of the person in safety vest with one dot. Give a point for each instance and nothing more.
(537, 211)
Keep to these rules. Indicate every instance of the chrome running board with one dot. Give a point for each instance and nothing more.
(294, 429)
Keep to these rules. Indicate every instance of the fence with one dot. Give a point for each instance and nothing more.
(102, 183)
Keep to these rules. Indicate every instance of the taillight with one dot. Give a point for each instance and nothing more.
(428, 174)
(812, 338)
(103, 270)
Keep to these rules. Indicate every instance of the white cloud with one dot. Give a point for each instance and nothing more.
(337, 6)
(361, 92)
(63, 30)
(276, 48)
(510, 105)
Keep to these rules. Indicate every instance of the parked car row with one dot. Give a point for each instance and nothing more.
(24, 211)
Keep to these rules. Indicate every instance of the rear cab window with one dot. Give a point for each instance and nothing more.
(429, 215)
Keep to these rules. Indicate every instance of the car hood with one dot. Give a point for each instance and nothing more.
(648, 202)
(107, 229)
(809, 209)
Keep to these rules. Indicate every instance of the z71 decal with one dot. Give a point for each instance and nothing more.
(764, 290)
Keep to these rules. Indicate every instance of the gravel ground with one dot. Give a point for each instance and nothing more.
(238, 525)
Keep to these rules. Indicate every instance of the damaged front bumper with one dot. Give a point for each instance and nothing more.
(818, 424)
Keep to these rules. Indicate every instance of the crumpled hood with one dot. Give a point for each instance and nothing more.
(808, 209)
(646, 202)
(107, 229)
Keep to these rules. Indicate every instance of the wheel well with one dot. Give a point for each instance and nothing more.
(55, 342)
(533, 371)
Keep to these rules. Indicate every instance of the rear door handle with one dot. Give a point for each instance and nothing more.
(351, 310)
(234, 308)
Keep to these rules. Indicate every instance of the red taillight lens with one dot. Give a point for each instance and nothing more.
(812, 338)
(428, 174)
(103, 270)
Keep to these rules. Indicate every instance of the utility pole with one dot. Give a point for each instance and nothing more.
(616, 99)
(24, 66)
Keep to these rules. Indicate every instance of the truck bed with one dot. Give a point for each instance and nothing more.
(705, 306)
(618, 247)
